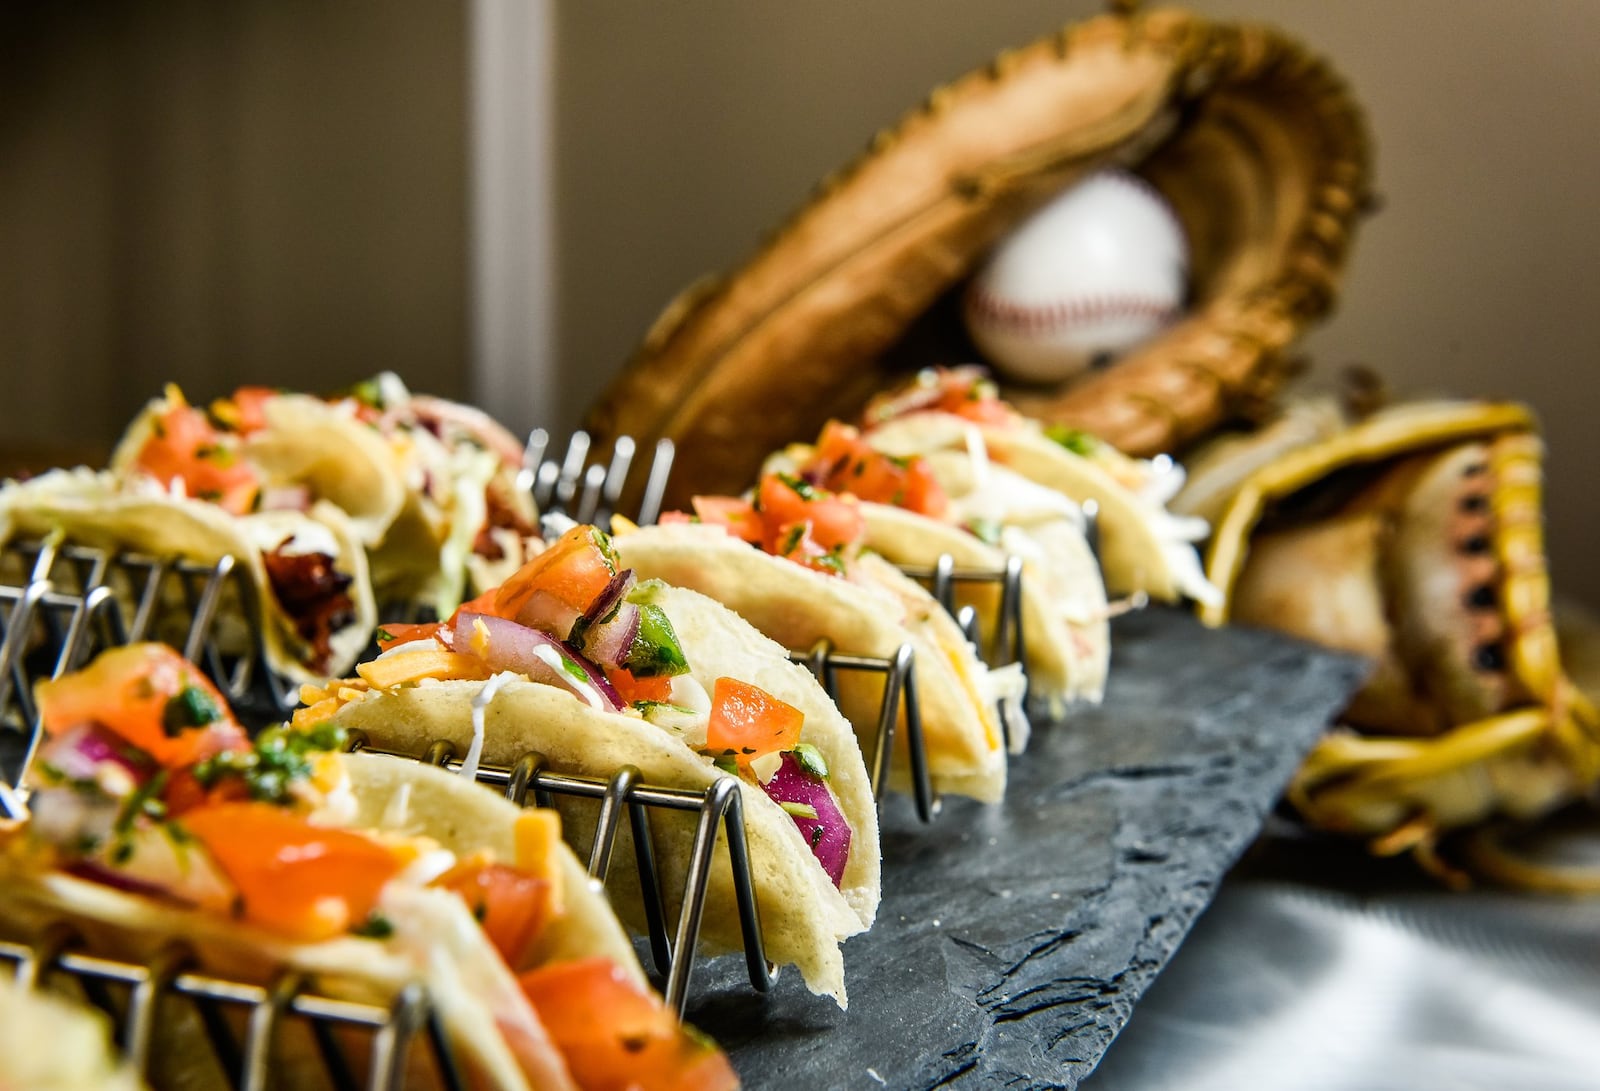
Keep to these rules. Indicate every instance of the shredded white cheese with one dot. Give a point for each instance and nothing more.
(398, 809)
(552, 659)
(480, 705)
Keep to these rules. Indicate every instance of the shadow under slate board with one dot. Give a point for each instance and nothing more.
(1014, 940)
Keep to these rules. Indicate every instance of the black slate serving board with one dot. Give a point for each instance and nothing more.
(1014, 940)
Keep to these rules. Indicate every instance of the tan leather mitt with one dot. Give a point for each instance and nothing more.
(1413, 538)
(1254, 141)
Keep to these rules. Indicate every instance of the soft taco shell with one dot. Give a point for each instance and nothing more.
(437, 940)
(1135, 554)
(798, 607)
(1066, 634)
(309, 442)
(804, 917)
(95, 509)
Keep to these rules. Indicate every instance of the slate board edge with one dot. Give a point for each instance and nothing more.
(1314, 685)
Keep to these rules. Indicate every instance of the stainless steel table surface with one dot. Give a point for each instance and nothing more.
(1319, 969)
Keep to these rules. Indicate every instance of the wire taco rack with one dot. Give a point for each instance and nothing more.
(61, 602)
(138, 996)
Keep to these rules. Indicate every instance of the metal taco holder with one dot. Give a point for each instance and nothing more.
(75, 600)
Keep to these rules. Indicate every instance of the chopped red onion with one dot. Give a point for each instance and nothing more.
(828, 833)
(538, 656)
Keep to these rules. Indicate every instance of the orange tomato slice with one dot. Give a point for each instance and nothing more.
(511, 905)
(747, 721)
(306, 882)
(575, 569)
(184, 446)
(632, 689)
(738, 517)
(616, 1036)
(395, 633)
(150, 697)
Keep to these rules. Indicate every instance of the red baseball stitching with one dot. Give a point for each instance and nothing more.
(1039, 318)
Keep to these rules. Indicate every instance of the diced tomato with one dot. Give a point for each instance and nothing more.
(307, 882)
(149, 696)
(747, 721)
(616, 1036)
(184, 446)
(483, 604)
(738, 517)
(632, 689)
(395, 633)
(785, 502)
(184, 793)
(246, 411)
(511, 905)
(780, 502)
(844, 462)
(575, 569)
(674, 518)
(795, 543)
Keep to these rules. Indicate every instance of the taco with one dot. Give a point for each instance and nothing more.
(1142, 546)
(79, 1055)
(430, 485)
(306, 570)
(913, 515)
(155, 821)
(577, 659)
(791, 563)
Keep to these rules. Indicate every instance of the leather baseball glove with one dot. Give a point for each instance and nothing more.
(1414, 538)
(1255, 142)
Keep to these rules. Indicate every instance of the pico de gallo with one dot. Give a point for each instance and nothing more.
(788, 517)
(146, 783)
(573, 619)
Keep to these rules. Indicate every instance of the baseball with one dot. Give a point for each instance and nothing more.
(1099, 269)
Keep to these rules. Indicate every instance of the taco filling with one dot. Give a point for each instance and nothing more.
(574, 620)
(146, 784)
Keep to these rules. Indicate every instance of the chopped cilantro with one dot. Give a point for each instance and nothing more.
(801, 488)
(791, 539)
(902, 461)
(280, 759)
(215, 453)
(1075, 440)
(367, 392)
(193, 707)
(727, 765)
(376, 926)
(608, 552)
(810, 760)
(833, 560)
(143, 801)
(985, 530)
(383, 636)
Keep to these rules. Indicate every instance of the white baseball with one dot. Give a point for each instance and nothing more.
(1099, 269)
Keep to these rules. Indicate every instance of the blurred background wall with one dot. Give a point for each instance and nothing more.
(262, 190)
(280, 191)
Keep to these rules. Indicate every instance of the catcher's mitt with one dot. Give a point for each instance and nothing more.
(1254, 141)
(1413, 538)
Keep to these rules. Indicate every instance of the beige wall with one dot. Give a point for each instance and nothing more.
(216, 193)
(687, 130)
